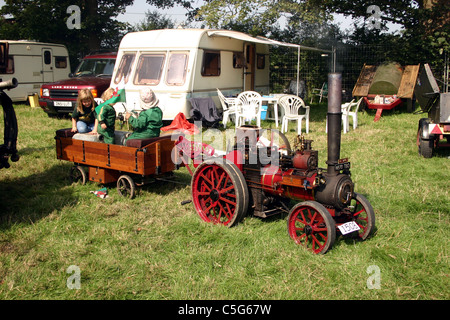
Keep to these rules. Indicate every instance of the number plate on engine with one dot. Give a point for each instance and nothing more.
(342, 166)
(348, 227)
(63, 103)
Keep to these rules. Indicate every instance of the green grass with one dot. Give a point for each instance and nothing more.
(152, 247)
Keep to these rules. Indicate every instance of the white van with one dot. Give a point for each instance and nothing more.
(179, 64)
(32, 64)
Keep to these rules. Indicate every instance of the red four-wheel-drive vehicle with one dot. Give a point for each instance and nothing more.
(94, 73)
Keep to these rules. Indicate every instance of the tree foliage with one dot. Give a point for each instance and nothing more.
(425, 27)
(46, 21)
(261, 15)
(154, 20)
(424, 35)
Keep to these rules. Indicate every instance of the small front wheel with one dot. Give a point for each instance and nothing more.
(363, 214)
(126, 187)
(311, 225)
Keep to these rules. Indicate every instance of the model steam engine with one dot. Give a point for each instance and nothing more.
(265, 180)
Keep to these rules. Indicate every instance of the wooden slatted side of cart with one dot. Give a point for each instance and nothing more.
(106, 163)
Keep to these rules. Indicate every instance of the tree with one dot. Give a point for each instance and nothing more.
(426, 26)
(46, 21)
(260, 14)
(154, 20)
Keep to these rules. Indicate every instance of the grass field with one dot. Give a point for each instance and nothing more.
(59, 241)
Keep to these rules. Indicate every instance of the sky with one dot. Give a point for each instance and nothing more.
(136, 12)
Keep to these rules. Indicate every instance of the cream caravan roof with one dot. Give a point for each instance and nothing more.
(32, 42)
(190, 38)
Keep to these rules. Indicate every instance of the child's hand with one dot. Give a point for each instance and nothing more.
(74, 129)
(104, 126)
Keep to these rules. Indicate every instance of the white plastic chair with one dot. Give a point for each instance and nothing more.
(228, 107)
(248, 105)
(321, 93)
(345, 110)
(292, 106)
(354, 113)
(346, 113)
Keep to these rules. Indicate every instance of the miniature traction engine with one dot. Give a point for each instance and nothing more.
(266, 180)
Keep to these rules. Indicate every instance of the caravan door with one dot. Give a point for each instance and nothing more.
(249, 70)
(47, 65)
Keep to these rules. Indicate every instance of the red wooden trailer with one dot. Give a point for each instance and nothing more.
(130, 165)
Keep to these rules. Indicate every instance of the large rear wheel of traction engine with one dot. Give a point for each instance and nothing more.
(219, 192)
(311, 225)
(126, 186)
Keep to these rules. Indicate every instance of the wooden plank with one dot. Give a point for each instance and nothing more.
(364, 81)
(408, 82)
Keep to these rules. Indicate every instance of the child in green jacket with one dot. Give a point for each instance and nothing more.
(107, 118)
(149, 122)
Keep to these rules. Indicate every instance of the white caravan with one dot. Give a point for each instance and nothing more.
(179, 64)
(32, 64)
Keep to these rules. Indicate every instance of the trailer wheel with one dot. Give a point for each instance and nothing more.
(311, 225)
(425, 145)
(78, 175)
(126, 186)
(219, 192)
(363, 214)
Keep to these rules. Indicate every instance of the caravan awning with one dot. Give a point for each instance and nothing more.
(263, 40)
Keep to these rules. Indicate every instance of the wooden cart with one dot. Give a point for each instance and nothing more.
(132, 165)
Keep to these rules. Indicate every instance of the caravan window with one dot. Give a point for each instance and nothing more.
(124, 68)
(176, 71)
(47, 57)
(149, 69)
(3, 54)
(211, 63)
(260, 61)
(61, 62)
(9, 66)
(238, 60)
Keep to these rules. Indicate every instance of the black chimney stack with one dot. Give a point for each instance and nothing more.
(334, 119)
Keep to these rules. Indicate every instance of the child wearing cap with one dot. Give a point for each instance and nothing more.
(149, 122)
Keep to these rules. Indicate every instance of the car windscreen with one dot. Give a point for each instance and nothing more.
(95, 67)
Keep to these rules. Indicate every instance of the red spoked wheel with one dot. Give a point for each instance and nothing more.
(363, 214)
(219, 192)
(311, 225)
